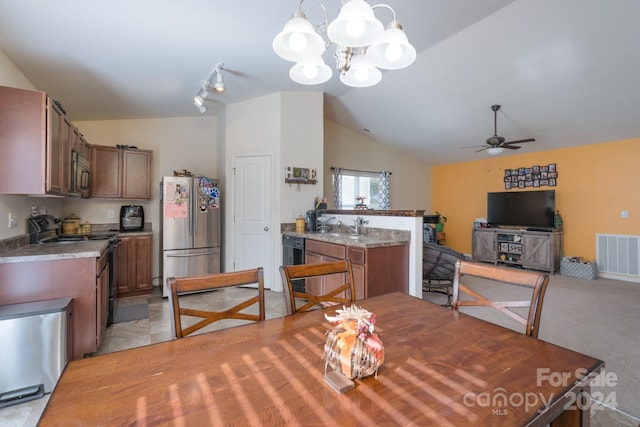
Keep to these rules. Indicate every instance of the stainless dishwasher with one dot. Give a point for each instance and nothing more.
(37, 342)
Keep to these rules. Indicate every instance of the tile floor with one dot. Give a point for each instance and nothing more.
(156, 328)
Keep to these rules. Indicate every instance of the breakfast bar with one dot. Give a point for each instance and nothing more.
(458, 370)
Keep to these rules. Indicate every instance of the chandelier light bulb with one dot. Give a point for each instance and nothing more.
(297, 42)
(355, 27)
(393, 52)
(310, 71)
(362, 74)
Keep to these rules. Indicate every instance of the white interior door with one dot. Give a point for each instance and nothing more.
(253, 214)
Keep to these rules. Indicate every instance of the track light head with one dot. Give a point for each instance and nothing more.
(219, 85)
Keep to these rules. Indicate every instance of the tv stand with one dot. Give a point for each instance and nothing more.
(532, 249)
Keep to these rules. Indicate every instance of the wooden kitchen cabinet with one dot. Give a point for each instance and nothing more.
(318, 252)
(133, 266)
(77, 278)
(376, 270)
(79, 144)
(35, 136)
(119, 173)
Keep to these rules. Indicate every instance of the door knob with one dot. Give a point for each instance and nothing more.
(266, 228)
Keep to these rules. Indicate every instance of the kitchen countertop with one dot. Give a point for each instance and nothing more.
(56, 251)
(68, 250)
(390, 238)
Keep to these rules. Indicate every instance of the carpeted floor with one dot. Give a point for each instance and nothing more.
(595, 317)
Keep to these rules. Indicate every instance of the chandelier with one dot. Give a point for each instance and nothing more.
(362, 45)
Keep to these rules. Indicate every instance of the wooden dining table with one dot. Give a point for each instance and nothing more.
(441, 368)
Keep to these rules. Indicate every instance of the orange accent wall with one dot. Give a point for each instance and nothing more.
(595, 183)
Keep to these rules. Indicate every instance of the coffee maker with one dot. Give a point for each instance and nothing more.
(312, 220)
(131, 218)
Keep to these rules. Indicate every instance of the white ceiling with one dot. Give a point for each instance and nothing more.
(566, 72)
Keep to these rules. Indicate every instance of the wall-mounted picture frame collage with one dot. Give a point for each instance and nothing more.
(531, 177)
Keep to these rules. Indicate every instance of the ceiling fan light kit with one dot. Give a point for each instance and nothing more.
(361, 42)
(202, 94)
(494, 151)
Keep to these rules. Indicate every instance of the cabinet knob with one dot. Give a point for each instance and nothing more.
(266, 228)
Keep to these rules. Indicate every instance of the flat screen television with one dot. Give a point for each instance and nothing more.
(531, 209)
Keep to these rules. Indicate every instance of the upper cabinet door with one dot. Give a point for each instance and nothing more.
(121, 174)
(106, 172)
(136, 182)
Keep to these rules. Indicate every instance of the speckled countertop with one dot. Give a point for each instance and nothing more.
(373, 239)
(56, 251)
(66, 250)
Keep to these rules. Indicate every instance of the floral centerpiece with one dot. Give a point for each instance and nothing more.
(352, 347)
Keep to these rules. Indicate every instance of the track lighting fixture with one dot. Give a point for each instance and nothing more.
(202, 94)
(361, 42)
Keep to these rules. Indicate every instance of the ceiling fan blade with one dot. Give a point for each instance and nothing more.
(483, 148)
(519, 141)
(473, 146)
(511, 147)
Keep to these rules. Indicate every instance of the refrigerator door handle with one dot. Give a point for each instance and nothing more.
(195, 195)
(191, 255)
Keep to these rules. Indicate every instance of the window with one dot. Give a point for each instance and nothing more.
(372, 187)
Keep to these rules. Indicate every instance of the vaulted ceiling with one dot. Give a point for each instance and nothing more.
(565, 72)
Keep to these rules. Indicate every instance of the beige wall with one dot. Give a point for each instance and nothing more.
(410, 178)
(288, 126)
(177, 143)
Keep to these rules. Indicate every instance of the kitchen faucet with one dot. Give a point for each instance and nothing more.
(356, 229)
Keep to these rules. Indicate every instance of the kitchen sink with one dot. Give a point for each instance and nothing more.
(347, 236)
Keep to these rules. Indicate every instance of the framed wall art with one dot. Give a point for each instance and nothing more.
(531, 177)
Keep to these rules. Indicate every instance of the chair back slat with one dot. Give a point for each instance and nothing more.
(536, 282)
(189, 285)
(337, 294)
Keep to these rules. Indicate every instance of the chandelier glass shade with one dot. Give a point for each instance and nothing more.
(362, 45)
(310, 72)
(355, 26)
(361, 73)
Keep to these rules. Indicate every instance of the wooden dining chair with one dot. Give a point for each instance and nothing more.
(189, 285)
(537, 282)
(326, 284)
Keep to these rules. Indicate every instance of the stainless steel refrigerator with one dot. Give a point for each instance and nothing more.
(190, 230)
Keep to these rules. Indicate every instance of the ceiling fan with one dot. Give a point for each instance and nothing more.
(496, 144)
